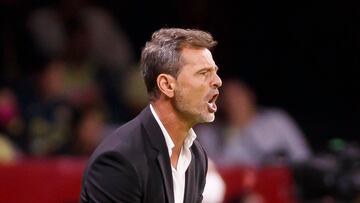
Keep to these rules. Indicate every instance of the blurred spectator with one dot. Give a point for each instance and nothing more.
(108, 45)
(67, 117)
(76, 83)
(96, 54)
(50, 115)
(86, 55)
(11, 123)
(89, 129)
(7, 150)
(251, 135)
(11, 126)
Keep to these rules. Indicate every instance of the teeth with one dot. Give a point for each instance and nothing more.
(211, 104)
(212, 107)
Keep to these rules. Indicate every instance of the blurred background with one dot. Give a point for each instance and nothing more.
(288, 127)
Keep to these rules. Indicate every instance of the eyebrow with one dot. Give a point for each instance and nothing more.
(209, 68)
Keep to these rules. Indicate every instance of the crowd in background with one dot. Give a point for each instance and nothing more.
(79, 79)
(84, 81)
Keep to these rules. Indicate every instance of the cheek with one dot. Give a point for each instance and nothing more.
(196, 95)
(193, 91)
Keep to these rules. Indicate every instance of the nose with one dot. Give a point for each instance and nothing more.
(217, 82)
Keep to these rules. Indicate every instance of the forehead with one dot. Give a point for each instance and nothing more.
(197, 56)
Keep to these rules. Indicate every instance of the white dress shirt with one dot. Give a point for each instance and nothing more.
(178, 173)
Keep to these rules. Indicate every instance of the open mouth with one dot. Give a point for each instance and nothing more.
(211, 103)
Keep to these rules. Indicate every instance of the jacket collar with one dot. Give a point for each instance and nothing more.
(157, 141)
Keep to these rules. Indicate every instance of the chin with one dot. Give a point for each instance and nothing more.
(207, 118)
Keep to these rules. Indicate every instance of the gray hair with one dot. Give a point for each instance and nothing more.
(162, 53)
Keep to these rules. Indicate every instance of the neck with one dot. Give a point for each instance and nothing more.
(177, 127)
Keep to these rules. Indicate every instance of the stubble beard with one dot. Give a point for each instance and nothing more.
(193, 114)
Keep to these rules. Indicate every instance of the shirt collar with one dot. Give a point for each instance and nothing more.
(189, 140)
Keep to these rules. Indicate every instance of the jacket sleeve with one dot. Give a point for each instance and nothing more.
(111, 178)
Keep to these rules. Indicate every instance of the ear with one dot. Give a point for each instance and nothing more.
(166, 84)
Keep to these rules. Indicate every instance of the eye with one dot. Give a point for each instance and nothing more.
(205, 72)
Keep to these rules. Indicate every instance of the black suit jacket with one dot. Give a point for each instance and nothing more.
(133, 165)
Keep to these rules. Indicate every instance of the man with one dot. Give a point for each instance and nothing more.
(156, 157)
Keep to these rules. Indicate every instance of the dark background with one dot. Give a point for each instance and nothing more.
(302, 56)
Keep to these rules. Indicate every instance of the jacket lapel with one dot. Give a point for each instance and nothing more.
(164, 163)
(157, 140)
(190, 182)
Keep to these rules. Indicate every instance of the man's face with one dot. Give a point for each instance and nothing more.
(197, 86)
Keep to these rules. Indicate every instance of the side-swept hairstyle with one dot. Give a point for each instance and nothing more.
(162, 53)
